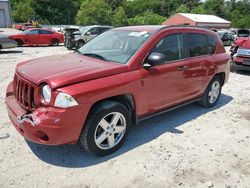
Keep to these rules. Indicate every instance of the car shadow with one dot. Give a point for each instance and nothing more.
(74, 156)
(11, 52)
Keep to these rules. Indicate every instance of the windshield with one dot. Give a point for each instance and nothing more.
(84, 29)
(116, 46)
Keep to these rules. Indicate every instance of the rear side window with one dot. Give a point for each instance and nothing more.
(103, 29)
(211, 43)
(170, 46)
(33, 32)
(197, 45)
(45, 32)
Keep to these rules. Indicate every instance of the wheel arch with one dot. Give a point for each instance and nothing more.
(81, 40)
(222, 76)
(126, 99)
(19, 39)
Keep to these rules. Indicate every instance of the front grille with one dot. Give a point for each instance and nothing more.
(24, 93)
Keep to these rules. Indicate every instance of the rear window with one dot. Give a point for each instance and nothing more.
(197, 45)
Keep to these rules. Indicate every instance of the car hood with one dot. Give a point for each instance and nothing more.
(61, 70)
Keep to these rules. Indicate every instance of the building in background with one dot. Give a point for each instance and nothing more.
(201, 20)
(5, 14)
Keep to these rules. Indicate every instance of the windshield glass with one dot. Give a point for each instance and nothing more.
(116, 46)
(84, 29)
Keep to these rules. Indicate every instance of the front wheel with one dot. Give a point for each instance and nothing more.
(212, 93)
(79, 44)
(106, 128)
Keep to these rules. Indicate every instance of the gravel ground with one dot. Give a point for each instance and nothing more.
(188, 147)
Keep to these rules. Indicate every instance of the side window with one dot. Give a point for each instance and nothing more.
(170, 46)
(33, 32)
(45, 32)
(197, 45)
(102, 29)
(211, 43)
(94, 31)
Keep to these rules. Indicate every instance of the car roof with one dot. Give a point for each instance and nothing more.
(148, 28)
(91, 26)
(45, 29)
(156, 28)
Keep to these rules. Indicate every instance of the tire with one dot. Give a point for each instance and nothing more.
(79, 44)
(19, 42)
(212, 93)
(99, 136)
(54, 42)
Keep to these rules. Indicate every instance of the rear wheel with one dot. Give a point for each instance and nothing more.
(55, 42)
(212, 93)
(106, 128)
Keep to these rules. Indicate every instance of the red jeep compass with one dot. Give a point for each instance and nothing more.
(123, 75)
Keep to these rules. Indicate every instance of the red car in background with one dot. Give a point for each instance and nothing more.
(38, 36)
(240, 53)
(23, 26)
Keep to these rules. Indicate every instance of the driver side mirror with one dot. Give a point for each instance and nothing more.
(88, 33)
(153, 59)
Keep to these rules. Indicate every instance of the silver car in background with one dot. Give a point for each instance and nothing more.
(6, 43)
(89, 32)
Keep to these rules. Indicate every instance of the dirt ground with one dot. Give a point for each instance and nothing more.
(188, 147)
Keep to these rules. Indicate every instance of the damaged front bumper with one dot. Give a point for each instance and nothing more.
(50, 125)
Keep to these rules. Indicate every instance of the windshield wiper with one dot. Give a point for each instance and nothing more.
(95, 56)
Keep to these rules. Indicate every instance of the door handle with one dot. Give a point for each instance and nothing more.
(181, 68)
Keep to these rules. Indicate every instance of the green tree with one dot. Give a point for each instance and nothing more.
(182, 9)
(94, 12)
(114, 4)
(216, 7)
(56, 11)
(199, 10)
(21, 10)
(148, 18)
(119, 17)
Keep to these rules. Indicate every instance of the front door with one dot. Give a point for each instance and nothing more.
(32, 37)
(165, 84)
(46, 37)
(92, 33)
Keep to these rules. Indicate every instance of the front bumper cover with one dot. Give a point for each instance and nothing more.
(46, 125)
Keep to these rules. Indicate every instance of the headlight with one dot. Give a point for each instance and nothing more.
(64, 100)
(46, 93)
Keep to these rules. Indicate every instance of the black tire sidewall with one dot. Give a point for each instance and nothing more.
(80, 44)
(55, 42)
(93, 122)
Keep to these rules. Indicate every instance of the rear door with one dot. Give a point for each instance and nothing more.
(46, 36)
(165, 84)
(200, 48)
